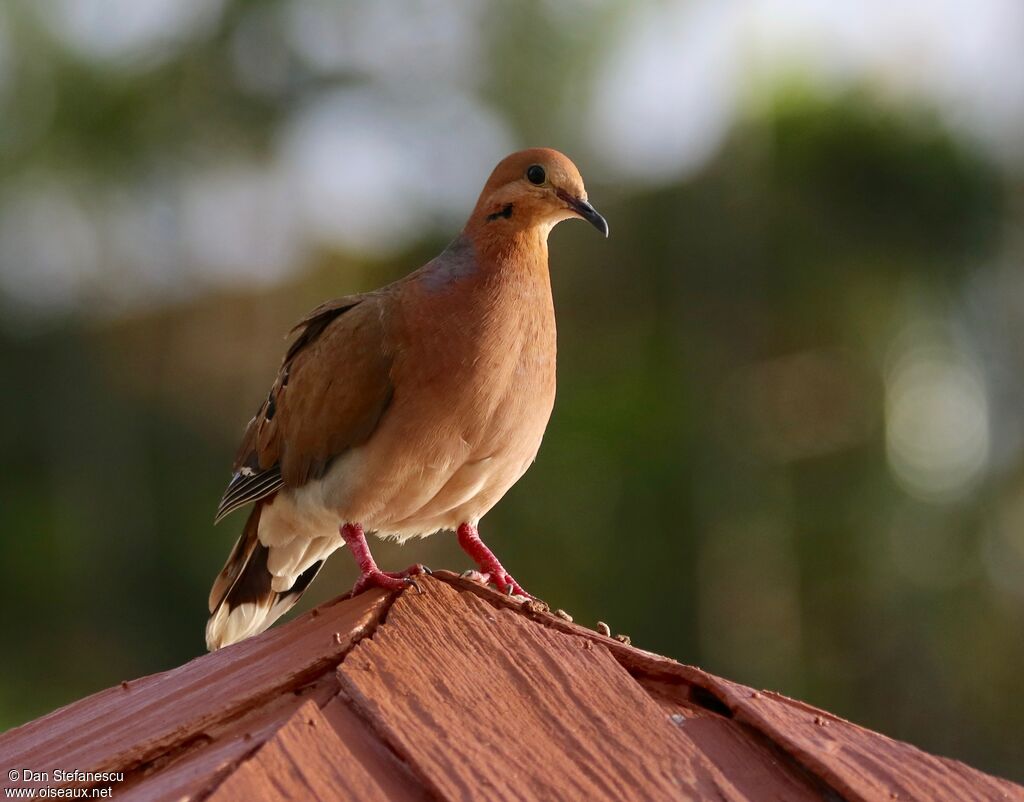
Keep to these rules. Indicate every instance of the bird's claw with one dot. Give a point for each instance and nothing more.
(502, 580)
(378, 579)
(507, 585)
(412, 570)
(391, 580)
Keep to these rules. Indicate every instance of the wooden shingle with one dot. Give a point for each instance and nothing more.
(461, 693)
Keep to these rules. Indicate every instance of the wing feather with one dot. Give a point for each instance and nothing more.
(245, 487)
(330, 393)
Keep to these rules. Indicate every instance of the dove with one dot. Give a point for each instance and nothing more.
(405, 411)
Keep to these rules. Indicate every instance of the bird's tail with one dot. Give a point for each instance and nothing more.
(242, 601)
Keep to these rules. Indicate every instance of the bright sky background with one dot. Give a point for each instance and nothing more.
(670, 92)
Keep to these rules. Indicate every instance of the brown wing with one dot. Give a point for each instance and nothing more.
(333, 387)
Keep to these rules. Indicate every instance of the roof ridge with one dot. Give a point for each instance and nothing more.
(175, 731)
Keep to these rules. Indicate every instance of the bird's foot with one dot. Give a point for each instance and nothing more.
(413, 570)
(370, 576)
(475, 576)
(390, 580)
(504, 582)
(491, 570)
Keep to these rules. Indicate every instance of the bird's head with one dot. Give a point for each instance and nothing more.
(534, 188)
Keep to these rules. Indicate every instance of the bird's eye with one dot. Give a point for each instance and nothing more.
(535, 174)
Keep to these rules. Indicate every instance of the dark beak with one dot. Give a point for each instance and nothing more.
(586, 211)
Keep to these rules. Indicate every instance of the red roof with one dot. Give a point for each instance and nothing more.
(460, 693)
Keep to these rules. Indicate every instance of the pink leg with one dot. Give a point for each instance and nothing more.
(469, 540)
(369, 574)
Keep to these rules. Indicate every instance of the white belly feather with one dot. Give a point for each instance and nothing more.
(301, 526)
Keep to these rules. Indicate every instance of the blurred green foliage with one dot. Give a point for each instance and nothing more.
(717, 480)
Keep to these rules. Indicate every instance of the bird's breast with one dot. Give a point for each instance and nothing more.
(483, 350)
(474, 385)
